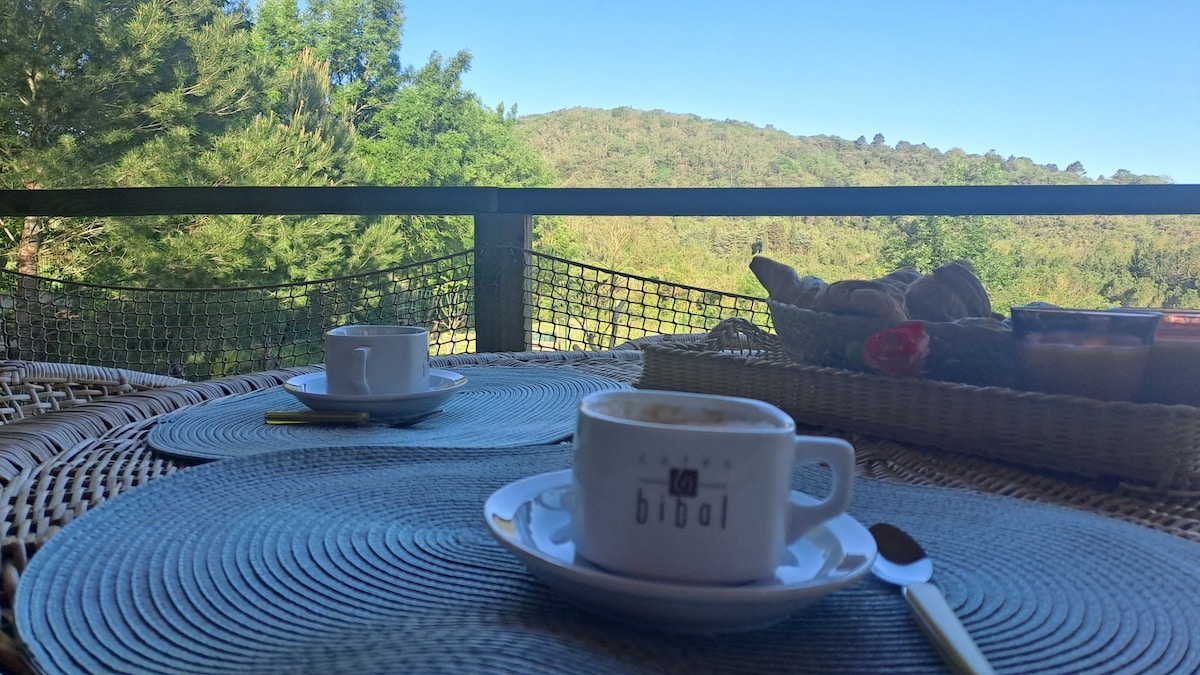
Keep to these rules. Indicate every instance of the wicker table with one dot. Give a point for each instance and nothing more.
(109, 456)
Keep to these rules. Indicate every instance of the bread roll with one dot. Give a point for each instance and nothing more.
(901, 278)
(862, 298)
(952, 292)
(784, 284)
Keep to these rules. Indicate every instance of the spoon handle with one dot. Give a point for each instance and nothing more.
(942, 626)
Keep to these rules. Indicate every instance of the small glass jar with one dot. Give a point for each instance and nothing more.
(1094, 353)
(1173, 368)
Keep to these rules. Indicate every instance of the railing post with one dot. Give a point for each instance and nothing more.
(502, 322)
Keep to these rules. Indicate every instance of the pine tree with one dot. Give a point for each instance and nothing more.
(99, 80)
(206, 93)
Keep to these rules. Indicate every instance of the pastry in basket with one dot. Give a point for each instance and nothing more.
(967, 342)
(952, 292)
(863, 298)
(785, 285)
(901, 278)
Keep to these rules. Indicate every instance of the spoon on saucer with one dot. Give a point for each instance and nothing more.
(902, 561)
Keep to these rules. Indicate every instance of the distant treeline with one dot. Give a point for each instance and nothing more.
(1076, 261)
(210, 92)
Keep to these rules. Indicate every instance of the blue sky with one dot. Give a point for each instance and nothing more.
(1111, 84)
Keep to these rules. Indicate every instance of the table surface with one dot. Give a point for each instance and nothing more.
(110, 456)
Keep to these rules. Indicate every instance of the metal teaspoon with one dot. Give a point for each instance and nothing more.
(902, 561)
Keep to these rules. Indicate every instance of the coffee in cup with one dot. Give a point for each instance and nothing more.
(367, 360)
(694, 488)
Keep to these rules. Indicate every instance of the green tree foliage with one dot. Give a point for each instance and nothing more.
(360, 42)
(437, 133)
(1076, 261)
(205, 92)
(988, 242)
(304, 143)
(93, 81)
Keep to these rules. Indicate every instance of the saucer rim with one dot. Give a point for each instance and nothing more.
(454, 380)
(695, 594)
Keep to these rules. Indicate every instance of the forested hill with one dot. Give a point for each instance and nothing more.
(1076, 261)
(632, 148)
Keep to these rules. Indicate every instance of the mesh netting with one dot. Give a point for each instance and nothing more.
(577, 306)
(199, 334)
(204, 333)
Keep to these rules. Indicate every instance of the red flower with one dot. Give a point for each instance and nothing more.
(898, 351)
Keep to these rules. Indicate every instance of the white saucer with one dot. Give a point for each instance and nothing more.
(530, 518)
(310, 389)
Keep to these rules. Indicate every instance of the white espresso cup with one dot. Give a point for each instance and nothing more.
(694, 488)
(376, 360)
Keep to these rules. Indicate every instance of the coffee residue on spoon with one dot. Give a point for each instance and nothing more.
(895, 545)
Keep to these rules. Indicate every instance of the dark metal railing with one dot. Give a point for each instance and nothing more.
(503, 216)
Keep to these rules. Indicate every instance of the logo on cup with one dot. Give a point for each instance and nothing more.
(684, 482)
(686, 509)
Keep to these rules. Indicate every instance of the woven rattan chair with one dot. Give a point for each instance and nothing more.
(88, 420)
(30, 390)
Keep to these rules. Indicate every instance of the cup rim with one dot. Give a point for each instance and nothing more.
(375, 330)
(763, 410)
(1029, 310)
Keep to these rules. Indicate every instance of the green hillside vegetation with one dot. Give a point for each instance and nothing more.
(1075, 261)
(216, 92)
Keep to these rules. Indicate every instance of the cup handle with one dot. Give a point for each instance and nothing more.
(358, 371)
(839, 455)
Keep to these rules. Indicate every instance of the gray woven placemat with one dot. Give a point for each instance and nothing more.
(364, 560)
(497, 408)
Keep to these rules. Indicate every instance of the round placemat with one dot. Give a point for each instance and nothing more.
(361, 560)
(497, 408)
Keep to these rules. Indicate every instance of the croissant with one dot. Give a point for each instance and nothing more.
(862, 298)
(785, 285)
(952, 292)
(901, 278)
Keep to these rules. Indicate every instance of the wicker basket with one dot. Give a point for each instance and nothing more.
(1153, 444)
(970, 354)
